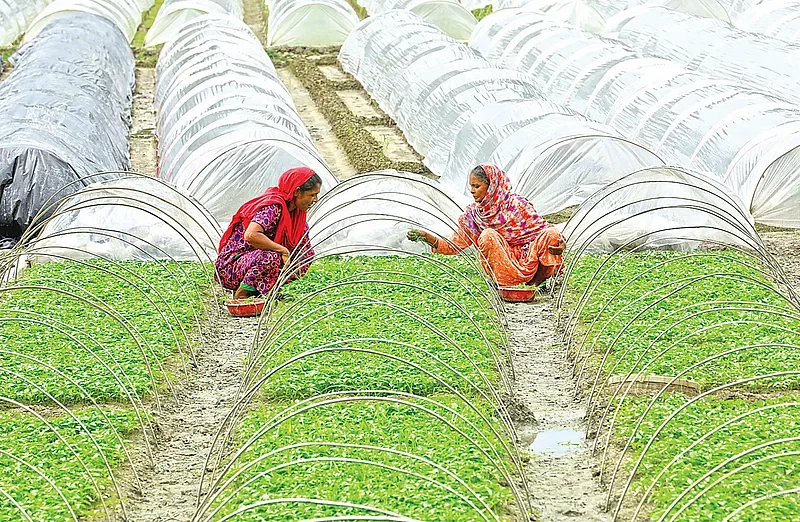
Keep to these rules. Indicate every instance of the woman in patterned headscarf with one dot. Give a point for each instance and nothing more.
(265, 232)
(517, 245)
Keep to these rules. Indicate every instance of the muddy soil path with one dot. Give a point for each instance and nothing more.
(143, 136)
(319, 128)
(785, 246)
(254, 13)
(186, 428)
(562, 475)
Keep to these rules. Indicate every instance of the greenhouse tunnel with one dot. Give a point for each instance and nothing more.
(309, 23)
(747, 139)
(455, 20)
(456, 109)
(63, 117)
(15, 15)
(126, 14)
(174, 14)
(218, 107)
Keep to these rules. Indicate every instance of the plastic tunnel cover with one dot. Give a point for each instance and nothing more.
(687, 118)
(126, 14)
(448, 15)
(309, 23)
(150, 219)
(63, 117)
(458, 110)
(174, 14)
(15, 16)
(662, 207)
(226, 125)
(377, 209)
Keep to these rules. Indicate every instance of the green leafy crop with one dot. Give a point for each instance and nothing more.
(49, 325)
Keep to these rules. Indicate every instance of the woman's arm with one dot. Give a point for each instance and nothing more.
(457, 243)
(258, 239)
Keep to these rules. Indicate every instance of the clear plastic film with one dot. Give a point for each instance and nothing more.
(775, 18)
(309, 23)
(226, 125)
(130, 218)
(458, 110)
(663, 207)
(174, 14)
(743, 139)
(371, 214)
(450, 16)
(125, 14)
(715, 48)
(15, 16)
(63, 116)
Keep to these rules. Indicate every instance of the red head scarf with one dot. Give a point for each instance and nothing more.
(292, 225)
(510, 214)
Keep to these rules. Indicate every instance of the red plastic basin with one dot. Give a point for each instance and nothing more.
(517, 295)
(245, 308)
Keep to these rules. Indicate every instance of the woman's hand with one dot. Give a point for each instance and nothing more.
(285, 256)
(557, 250)
(420, 235)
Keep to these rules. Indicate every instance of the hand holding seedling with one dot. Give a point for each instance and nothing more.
(421, 236)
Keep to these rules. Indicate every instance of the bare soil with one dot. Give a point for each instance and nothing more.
(358, 102)
(254, 18)
(394, 144)
(563, 488)
(186, 428)
(319, 128)
(143, 139)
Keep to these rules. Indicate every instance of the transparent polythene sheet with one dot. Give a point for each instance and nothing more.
(125, 14)
(64, 113)
(664, 207)
(133, 218)
(451, 17)
(226, 125)
(775, 18)
(309, 23)
(687, 118)
(716, 48)
(175, 14)
(377, 210)
(15, 15)
(458, 110)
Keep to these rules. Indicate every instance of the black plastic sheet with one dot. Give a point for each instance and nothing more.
(65, 113)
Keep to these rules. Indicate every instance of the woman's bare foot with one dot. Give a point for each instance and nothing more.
(242, 293)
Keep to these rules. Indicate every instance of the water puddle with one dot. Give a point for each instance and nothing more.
(557, 442)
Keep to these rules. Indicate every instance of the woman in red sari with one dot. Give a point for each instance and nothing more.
(517, 245)
(265, 231)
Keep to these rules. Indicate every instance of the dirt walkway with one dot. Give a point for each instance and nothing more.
(187, 429)
(143, 140)
(319, 128)
(561, 474)
(253, 17)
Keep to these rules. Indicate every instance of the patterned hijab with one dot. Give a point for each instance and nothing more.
(510, 214)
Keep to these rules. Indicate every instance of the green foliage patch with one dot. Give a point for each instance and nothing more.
(57, 454)
(107, 349)
(765, 471)
(673, 311)
(666, 312)
(452, 474)
(376, 424)
(386, 310)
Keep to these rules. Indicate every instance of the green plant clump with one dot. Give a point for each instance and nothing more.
(32, 455)
(412, 438)
(717, 318)
(768, 470)
(664, 313)
(96, 328)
